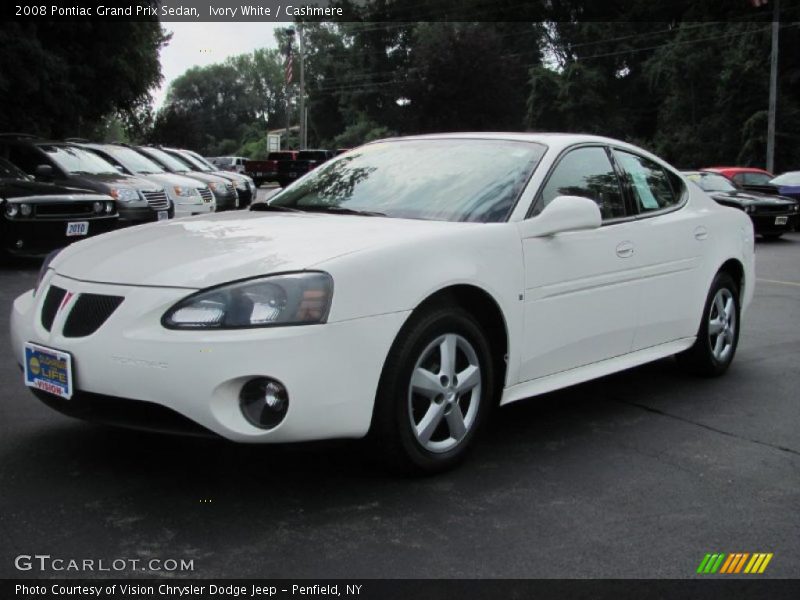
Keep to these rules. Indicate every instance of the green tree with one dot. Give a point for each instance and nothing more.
(63, 78)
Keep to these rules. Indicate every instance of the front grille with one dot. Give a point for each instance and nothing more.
(64, 209)
(89, 313)
(773, 208)
(157, 200)
(55, 295)
(206, 195)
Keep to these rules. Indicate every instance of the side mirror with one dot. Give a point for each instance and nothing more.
(563, 214)
(44, 172)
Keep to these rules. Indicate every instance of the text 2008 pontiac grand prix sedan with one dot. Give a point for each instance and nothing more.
(398, 292)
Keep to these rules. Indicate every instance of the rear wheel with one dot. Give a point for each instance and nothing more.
(436, 390)
(718, 337)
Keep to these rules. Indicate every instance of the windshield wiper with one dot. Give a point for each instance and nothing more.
(341, 210)
(264, 207)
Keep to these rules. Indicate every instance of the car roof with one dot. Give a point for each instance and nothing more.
(553, 139)
(733, 170)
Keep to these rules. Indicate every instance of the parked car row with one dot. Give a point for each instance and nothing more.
(772, 203)
(54, 192)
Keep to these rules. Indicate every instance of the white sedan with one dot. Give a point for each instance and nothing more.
(398, 292)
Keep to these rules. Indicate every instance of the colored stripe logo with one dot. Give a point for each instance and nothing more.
(737, 562)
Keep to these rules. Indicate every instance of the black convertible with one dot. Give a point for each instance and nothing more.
(36, 218)
(772, 215)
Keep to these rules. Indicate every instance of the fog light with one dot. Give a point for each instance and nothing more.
(264, 402)
(25, 210)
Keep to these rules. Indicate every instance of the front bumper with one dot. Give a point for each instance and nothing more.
(138, 215)
(245, 197)
(190, 209)
(331, 371)
(226, 200)
(39, 237)
(764, 222)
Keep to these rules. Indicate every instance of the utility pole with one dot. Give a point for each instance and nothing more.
(303, 123)
(773, 88)
(288, 78)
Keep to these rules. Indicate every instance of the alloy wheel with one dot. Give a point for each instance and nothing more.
(444, 393)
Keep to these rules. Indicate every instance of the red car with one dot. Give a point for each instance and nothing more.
(744, 176)
(267, 170)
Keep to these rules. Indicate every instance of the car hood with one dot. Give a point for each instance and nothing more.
(746, 198)
(21, 188)
(109, 180)
(201, 176)
(199, 252)
(169, 180)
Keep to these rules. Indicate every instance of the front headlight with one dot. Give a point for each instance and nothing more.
(242, 185)
(185, 191)
(125, 194)
(214, 187)
(290, 299)
(749, 208)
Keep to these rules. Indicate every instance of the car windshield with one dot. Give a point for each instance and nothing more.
(711, 182)
(791, 178)
(9, 171)
(166, 159)
(312, 155)
(79, 161)
(753, 178)
(190, 160)
(442, 180)
(132, 160)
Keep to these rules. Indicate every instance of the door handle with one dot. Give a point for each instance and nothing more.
(625, 250)
(700, 233)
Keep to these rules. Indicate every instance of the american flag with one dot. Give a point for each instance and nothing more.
(287, 69)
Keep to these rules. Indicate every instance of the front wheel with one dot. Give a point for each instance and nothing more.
(718, 336)
(436, 389)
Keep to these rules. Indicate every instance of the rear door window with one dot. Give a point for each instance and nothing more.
(649, 182)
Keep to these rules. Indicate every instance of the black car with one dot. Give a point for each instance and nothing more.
(37, 218)
(62, 163)
(772, 216)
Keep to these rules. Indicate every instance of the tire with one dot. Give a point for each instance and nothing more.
(771, 236)
(402, 409)
(713, 352)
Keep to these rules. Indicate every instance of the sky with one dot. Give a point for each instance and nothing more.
(200, 44)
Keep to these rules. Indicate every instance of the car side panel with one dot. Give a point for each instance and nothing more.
(399, 277)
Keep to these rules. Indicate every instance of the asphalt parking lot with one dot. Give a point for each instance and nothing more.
(636, 475)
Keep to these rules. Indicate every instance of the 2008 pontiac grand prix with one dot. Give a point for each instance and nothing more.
(398, 292)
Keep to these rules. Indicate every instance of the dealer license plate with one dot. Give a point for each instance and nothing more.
(781, 220)
(77, 228)
(48, 370)
(163, 215)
